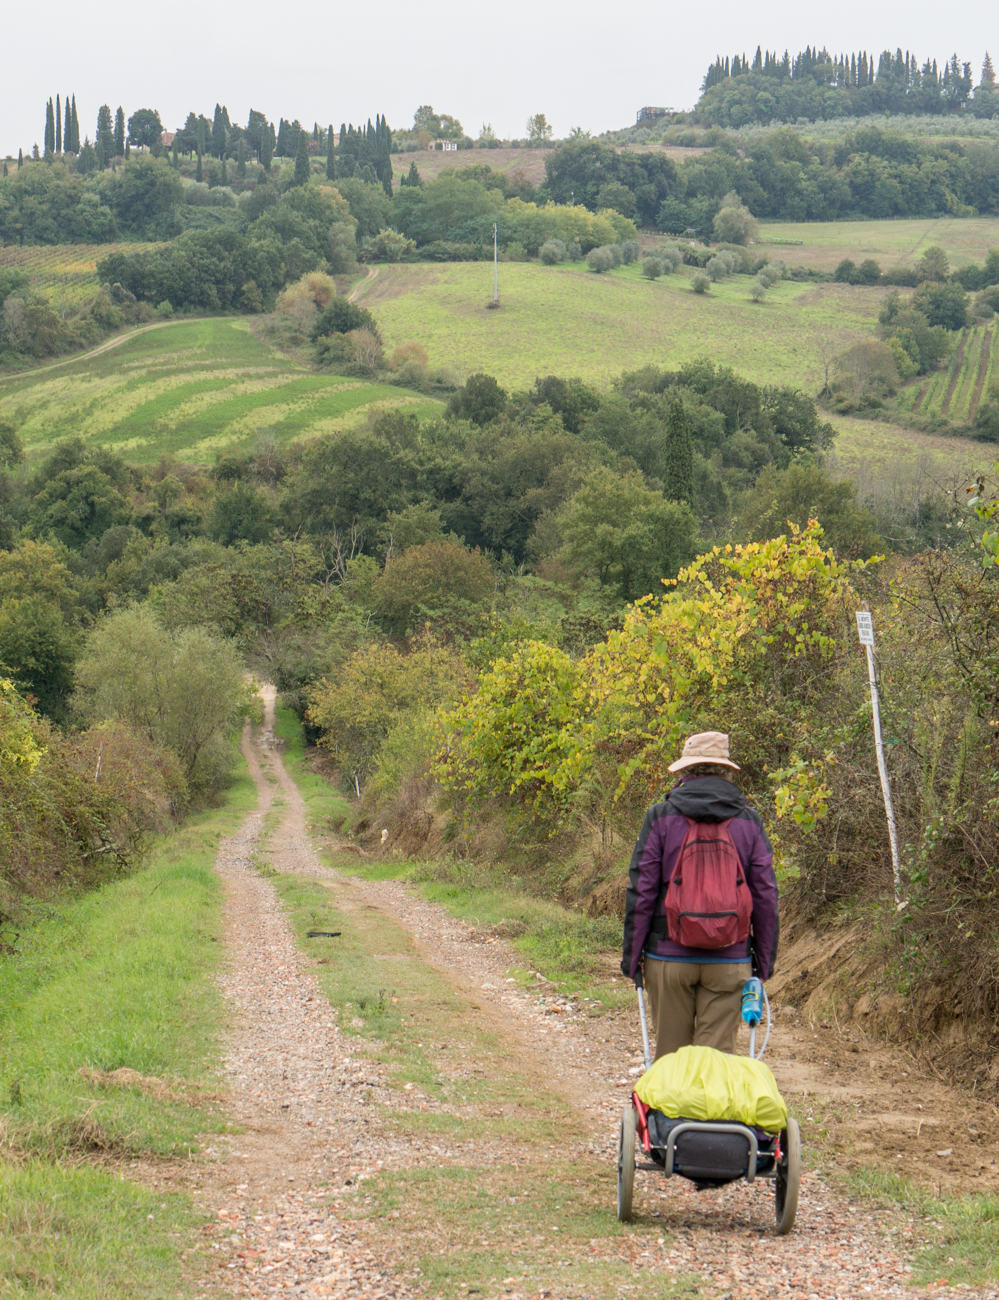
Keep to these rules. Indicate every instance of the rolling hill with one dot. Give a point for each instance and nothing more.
(191, 389)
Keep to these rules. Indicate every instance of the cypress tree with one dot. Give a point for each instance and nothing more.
(58, 125)
(76, 128)
(175, 159)
(5, 168)
(330, 155)
(67, 128)
(266, 147)
(218, 133)
(100, 154)
(241, 159)
(677, 457)
(105, 134)
(128, 151)
(20, 160)
(197, 174)
(49, 128)
(119, 133)
(302, 168)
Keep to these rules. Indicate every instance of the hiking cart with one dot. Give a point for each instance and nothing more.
(710, 1153)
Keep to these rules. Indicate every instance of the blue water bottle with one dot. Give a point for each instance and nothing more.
(752, 1001)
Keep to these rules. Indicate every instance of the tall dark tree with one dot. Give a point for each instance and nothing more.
(76, 128)
(58, 125)
(67, 128)
(20, 160)
(330, 155)
(267, 148)
(241, 158)
(677, 455)
(119, 133)
(219, 132)
(383, 154)
(105, 135)
(302, 168)
(49, 144)
(346, 154)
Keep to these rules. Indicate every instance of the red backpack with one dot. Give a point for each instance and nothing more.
(708, 904)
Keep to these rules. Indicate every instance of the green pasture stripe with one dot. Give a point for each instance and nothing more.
(191, 388)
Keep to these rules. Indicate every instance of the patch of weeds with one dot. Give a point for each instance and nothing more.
(960, 1234)
(79, 1232)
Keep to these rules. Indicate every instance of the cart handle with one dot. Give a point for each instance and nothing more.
(696, 1126)
(645, 1026)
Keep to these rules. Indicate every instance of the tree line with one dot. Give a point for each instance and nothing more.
(872, 172)
(816, 84)
(364, 146)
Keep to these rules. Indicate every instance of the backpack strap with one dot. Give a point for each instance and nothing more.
(659, 919)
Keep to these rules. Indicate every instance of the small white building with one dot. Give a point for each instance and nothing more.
(448, 146)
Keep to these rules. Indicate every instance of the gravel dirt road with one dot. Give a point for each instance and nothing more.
(482, 1164)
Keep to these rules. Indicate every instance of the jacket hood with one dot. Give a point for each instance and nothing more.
(707, 799)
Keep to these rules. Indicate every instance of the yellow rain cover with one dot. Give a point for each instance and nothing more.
(703, 1083)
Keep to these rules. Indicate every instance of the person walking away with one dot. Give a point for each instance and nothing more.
(701, 902)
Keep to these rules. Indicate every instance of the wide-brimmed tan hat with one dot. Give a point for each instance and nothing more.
(705, 747)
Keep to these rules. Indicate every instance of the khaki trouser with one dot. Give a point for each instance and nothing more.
(694, 1003)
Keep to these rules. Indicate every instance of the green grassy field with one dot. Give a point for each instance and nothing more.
(65, 273)
(192, 389)
(891, 243)
(566, 320)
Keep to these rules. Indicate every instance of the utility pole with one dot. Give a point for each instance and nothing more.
(865, 632)
(495, 265)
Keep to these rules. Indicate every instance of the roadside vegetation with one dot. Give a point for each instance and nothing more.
(109, 1023)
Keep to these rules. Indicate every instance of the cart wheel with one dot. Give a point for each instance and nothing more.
(788, 1178)
(626, 1164)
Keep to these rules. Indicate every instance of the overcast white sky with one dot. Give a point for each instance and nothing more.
(581, 64)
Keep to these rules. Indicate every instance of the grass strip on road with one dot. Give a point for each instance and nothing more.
(520, 1195)
(568, 948)
(119, 978)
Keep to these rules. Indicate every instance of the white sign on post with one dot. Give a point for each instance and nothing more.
(865, 627)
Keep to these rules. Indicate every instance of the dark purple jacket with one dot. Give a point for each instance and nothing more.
(702, 799)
